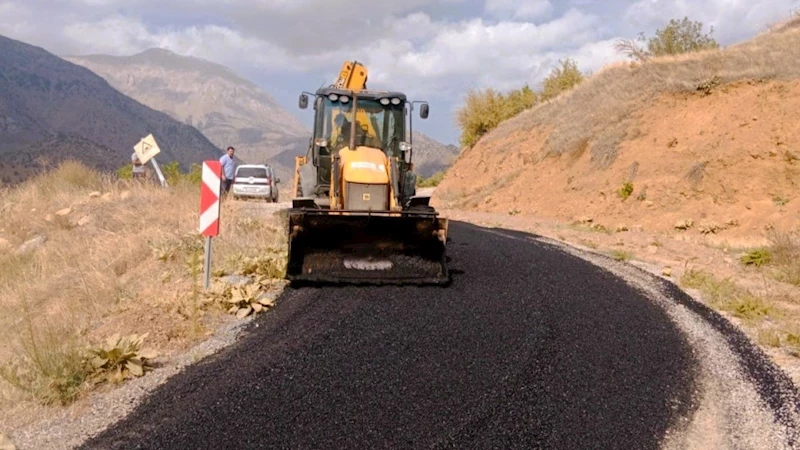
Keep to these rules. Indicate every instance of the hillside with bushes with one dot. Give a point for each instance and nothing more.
(687, 137)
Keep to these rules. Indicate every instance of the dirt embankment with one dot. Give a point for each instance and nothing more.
(729, 162)
(710, 137)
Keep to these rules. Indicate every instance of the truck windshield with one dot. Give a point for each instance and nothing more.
(377, 125)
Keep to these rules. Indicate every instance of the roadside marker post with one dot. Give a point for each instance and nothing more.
(209, 208)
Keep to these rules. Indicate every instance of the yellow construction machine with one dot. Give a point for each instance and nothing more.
(355, 215)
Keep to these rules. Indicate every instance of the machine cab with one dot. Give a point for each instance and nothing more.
(379, 119)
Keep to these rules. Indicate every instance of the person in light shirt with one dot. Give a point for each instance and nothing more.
(139, 169)
(228, 169)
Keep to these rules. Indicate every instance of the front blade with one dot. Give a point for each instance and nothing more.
(366, 248)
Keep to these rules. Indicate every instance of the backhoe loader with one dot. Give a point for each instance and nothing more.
(355, 216)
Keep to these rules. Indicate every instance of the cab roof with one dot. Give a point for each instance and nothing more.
(366, 93)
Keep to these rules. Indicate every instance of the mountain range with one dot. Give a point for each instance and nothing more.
(53, 109)
(227, 108)
(95, 108)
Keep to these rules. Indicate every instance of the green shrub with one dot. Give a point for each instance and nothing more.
(625, 190)
(125, 172)
(621, 255)
(433, 181)
(677, 37)
(174, 176)
(682, 36)
(562, 78)
(484, 110)
(757, 257)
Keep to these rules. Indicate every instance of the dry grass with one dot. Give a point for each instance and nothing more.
(602, 109)
(725, 295)
(124, 261)
(785, 256)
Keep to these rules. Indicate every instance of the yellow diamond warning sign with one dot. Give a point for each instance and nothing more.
(146, 149)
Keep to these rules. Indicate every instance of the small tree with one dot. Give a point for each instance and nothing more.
(681, 37)
(677, 37)
(562, 78)
(484, 110)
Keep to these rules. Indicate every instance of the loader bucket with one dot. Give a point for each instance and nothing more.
(366, 247)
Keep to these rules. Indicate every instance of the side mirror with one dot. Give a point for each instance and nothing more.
(423, 111)
(303, 103)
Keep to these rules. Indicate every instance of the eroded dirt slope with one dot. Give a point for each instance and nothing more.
(728, 161)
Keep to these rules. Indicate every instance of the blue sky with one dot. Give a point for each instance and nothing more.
(434, 50)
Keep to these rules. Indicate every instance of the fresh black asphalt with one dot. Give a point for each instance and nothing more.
(527, 348)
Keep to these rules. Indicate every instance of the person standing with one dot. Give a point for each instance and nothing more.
(228, 169)
(138, 167)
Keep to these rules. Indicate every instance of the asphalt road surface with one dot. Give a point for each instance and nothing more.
(528, 348)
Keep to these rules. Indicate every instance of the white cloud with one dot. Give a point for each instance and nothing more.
(733, 20)
(519, 9)
(431, 48)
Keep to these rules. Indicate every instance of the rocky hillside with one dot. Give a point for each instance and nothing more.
(431, 156)
(706, 144)
(228, 109)
(52, 109)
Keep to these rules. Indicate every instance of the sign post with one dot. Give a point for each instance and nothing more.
(209, 208)
(146, 150)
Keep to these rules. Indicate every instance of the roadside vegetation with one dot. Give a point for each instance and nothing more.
(677, 37)
(171, 171)
(485, 109)
(431, 181)
(679, 57)
(771, 316)
(101, 276)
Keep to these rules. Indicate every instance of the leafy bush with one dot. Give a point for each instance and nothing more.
(241, 300)
(677, 37)
(434, 180)
(125, 172)
(625, 190)
(174, 176)
(484, 110)
(121, 358)
(682, 36)
(562, 78)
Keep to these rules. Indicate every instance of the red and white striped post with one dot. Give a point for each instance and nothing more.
(209, 208)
